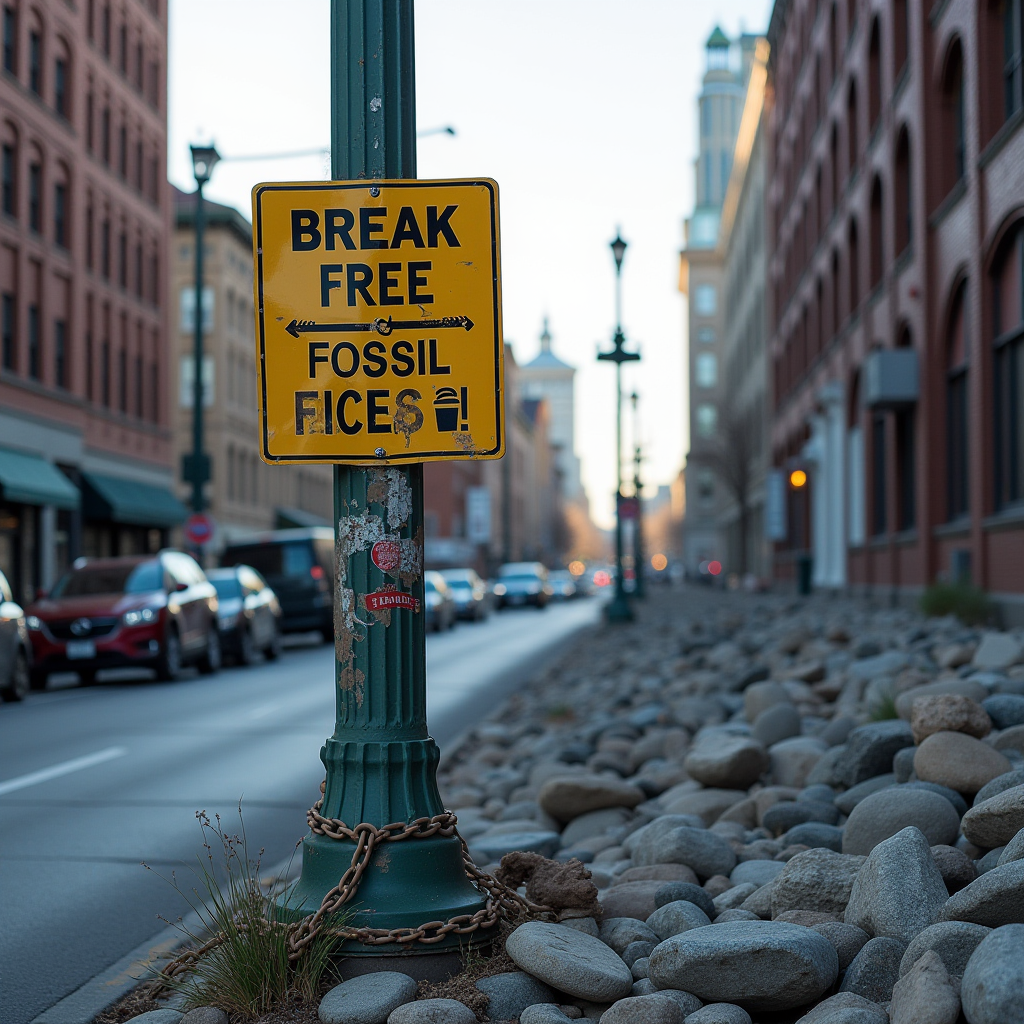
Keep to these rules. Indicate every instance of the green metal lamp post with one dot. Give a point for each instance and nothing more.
(381, 761)
(638, 536)
(618, 609)
(197, 468)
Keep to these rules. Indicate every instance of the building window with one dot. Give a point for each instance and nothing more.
(90, 136)
(138, 269)
(706, 335)
(60, 353)
(956, 408)
(154, 388)
(953, 133)
(877, 241)
(707, 420)
(854, 268)
(89, 239)
(60, 86)
(705, 485)
(904, 212)
(122, 151)
(10, 39)
(138, 384)
(874, 74)
(105, 28)
(105, 373)
(122, 380)
(7, 330)
(105, 249)
(706, 370)
(851, 129)
(878, 518)
(105, 135)
(122, 260)
(705, 300)
(60, 215)
(138, 164)
(35, 62)
(1008, 371)
(900, 37)
(139, 66)
(906, 468)
(8, 198)
(33, 341)
(35, 197)
(1013, 57)
(122, 39)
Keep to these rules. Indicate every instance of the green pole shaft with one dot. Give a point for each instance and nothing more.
(197, 384)
(638, 543)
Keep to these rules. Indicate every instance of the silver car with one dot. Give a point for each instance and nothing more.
(15, 649)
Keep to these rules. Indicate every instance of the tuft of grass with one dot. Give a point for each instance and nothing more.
(884, 708)
(968, 603)
(249, 973)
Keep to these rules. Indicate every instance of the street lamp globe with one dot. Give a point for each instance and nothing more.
(618, 245)
(204, 159)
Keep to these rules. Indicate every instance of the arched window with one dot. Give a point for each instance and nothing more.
(853, 247)
(1012, 56)
(877, 241)
(1008, 368)
(900, 36)
(62, 80)
(874, 73)
(953, 129)
(855, 466)
(837, 316)
(906, 455)
(851, 128)
(9, 169)
(833, 169)
(903, 206)
(61, 207)
(851, 19)
(957, 348)
(833, 42)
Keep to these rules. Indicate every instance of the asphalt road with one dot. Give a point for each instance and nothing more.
(95, 781)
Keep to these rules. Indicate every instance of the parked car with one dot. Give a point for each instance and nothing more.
(522, 583)
(472, 600)
(248, 613)
(439, 605)
(155, 611)
(15, 648)
(563, 586)
(299, 566)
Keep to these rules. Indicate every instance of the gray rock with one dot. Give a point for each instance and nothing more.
(542, 1013)
(686, 1001)
(870, 749)
(853, 796)
(719, 1013)
(888, 663)
(953, 941)
(956, 868)
(994, 822)
(510, 993)
(959, 761)
(760, 696)
(794, 761)
(965, 687)
(926, 995)
(735, 914)
(814, 834)
(487, 849)
(164, 1015)
(205, 1015)
(659, 873)
(990, 860)
(824, 771)
(997, 651)
(593, 823)
(760, 965)
(883, 814)
(1005, 709)
(1010, 742)
(992, 989)
(621, 932)
(784, 815)
(735, 896)
(673, 891)
(638, 844)
(367, 999)
(899, 890)
(777, 723)
(838, 730)
(958, 802)
(819, 793)
(760, 901)
(433, 1011)
(630, 899)
(903, 764)
(1014, 849)
(635, 952)
(707, 853)
(847, 939)
(705, 806)
(994, 899)
(727, 762)
(760, 872)
(1000, 784)
(569, 961)
(846, 1008)
(656, 1008)
(875, 969)
(675, 918)
(569, 796)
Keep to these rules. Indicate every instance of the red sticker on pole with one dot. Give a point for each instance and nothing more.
(386, 555)
(382, 599)
(198, 529)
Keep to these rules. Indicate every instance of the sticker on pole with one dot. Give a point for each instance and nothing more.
(378, 327)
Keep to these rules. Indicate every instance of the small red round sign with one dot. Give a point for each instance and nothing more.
(198, 528)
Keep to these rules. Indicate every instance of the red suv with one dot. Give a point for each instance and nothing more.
(157, 612)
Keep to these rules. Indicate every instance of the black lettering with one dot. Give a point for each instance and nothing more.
(407, 229)
(315, 348)
(402, 364)
(434, 368)
(374, 409)
(302, 411)
(332, 229)
(326, 284)
(304, 226)
(374, 365)
(367, 227)
(336, 360)
(440, 226)
(360, 277)
(416, 280)
(421, 352)
(387, 281)
(328, 413)
(343, 399)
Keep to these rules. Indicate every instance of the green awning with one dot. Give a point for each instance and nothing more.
(31, 480)
(130, 501)
(289, 518)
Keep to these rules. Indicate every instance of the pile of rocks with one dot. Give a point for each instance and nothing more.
(791, 812)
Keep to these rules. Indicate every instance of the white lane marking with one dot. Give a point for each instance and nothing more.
(266, 709)
(64, 768)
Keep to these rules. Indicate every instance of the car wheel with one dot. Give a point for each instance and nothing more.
(38, 679)
(86, 677)
(210, 662)
(328, 634)
(246, 647)
(168, 668)
(19, 684)
(273, 650)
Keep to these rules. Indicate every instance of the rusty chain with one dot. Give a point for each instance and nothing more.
(502, 901)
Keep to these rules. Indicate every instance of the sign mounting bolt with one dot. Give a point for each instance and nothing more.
(374, 191)
(379, 452)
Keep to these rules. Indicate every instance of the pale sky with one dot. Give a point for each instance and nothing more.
(583, 111)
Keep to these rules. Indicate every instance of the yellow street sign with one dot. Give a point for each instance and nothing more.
(378, 333)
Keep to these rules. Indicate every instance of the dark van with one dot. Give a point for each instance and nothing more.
(299, 566)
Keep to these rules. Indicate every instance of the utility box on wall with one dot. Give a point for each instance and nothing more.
(891, 379)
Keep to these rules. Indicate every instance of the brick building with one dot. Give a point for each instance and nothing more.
(85, 446)
(895, 155)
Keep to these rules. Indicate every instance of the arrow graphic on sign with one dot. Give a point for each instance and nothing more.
(380, 325)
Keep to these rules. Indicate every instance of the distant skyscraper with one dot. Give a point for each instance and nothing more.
(546, 376)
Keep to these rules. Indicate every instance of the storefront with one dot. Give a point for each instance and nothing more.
(126, 517)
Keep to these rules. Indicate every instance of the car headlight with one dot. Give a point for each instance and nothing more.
(534, 588)
(140, 615)
(33, 622)
(499, 589)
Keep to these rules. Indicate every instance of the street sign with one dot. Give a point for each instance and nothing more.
(378, 321)
(198, 529)
(629, 508)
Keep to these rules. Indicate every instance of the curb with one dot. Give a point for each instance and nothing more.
(113, 983)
